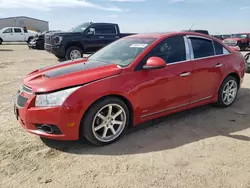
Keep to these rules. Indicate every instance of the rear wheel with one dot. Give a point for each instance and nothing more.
(1, 41)
(228, 92)
(74, 52)
(105, 122)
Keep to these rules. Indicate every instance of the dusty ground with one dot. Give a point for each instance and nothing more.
(204, 147)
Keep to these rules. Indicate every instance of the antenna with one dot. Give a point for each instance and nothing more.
(191, 27)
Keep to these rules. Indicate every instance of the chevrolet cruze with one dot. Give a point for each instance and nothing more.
(128, 82)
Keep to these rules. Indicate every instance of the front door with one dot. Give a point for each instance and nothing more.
(8, 35)
(103, 34)
(168, 88)
(208, 62)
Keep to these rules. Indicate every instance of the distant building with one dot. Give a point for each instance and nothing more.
(23, 21)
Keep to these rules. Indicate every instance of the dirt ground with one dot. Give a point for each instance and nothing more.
(203, 147)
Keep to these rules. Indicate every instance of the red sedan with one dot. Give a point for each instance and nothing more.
(130, 81)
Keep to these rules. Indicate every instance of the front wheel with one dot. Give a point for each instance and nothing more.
(247, 62)
(105, 122)
(228, 92)
(74, 53)
(1, 41)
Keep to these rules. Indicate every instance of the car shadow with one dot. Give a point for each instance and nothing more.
(6, 50)
(172, 131)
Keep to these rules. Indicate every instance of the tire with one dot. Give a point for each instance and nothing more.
(1, 41)
(247, 62)
(29, 39)
(69, 53)
(222, 92)
(247, 68)
(91, 121)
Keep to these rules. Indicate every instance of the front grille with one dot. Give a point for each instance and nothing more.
(48, 39)
(230, 42)
(21, 101)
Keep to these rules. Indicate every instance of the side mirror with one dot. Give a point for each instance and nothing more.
(91, 31)
(155, 63)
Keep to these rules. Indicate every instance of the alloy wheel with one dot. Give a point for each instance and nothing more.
(75, 54)
(229, 92)
(109, 122)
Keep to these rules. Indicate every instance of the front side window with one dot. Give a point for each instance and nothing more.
(17, 30)
(122, 52)
(104, 29)
(9, 30)
(171, 50)
(202, 47)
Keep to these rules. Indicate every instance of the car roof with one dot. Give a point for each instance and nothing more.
(166, 34)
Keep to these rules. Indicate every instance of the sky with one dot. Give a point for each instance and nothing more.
(216, 16)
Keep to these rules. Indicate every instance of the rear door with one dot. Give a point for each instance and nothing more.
(18, 34)
(208, 61)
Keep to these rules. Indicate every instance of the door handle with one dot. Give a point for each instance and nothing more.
(101, 37)
(218, 65)
(185, 74)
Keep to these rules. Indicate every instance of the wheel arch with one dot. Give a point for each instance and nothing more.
(122, 98)
(74, 43)
(236, 76)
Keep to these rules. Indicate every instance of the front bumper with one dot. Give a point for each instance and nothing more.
(31, 118)
(57, 50)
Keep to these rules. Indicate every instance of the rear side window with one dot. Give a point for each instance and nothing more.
(171, 50)
(219, 49)
(104, 29)
(17, 30)
(202, 47)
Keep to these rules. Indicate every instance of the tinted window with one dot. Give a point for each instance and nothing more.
(202, 47)
(104, 29)
(171, 50)
(9, 30)
(16, 30)
(218, 48)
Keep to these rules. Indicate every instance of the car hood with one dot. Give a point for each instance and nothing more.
(69, 74)
(65, 34)
(233, 39)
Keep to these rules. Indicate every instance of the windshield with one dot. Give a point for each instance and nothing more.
(80, 28)
(122, 52)
(239, 36)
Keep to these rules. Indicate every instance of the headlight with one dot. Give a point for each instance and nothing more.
(54, 99)
(58, 39)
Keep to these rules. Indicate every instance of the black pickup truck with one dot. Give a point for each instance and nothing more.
(85, 38)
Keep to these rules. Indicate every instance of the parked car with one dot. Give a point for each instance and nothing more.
(38, 42)
(85, 38)
(16, 34)
(241, 39)
(247, 59)
(132, 80)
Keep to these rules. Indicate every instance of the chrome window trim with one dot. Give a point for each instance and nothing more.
(192, 51)
(175, 107)
(196, 36)
(187, 48)
(214, 47)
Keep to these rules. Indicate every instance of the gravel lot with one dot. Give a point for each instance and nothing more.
(203, 147)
